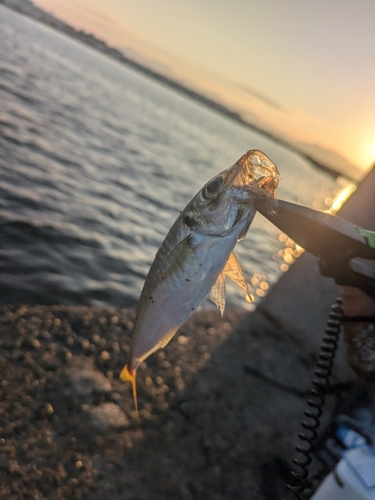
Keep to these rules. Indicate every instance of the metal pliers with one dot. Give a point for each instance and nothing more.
(345, 252)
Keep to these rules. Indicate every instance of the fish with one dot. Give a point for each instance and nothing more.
(197, 254)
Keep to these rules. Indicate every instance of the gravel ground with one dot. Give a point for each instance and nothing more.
(217, 406)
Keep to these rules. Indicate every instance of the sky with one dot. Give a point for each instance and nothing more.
(303, 69)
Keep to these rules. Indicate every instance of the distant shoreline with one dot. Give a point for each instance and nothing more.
(28, 8)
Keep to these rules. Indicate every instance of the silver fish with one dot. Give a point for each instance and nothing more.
(197, 254)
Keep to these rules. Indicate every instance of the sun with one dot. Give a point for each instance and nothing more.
(366, 152)
(371, 153)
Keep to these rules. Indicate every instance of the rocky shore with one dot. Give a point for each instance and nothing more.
(219, 406)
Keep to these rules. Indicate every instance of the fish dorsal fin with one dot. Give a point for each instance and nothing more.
(234, 271)
(217, 294)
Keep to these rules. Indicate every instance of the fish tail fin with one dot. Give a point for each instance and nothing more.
(128, 376)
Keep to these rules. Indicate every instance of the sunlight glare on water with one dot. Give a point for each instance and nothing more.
(341, 196)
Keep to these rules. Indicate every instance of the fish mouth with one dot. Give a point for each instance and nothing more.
(267, 200)
(256, 166)
(252, 175)
(261, 189)
(247, 194)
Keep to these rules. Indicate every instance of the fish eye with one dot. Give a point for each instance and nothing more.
(212, 187)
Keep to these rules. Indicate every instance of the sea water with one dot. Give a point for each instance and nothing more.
(96, 162)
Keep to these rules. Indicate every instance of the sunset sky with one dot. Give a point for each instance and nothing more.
(304, 69)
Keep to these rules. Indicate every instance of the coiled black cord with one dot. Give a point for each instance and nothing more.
(316, 400)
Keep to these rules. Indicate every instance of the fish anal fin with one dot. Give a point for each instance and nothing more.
(217, 294)
(128, 376)
(234, 271)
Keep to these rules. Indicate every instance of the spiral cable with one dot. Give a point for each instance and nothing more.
(315, 402)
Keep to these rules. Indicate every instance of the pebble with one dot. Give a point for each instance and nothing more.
(85, 378)
(105, 356)
(106, 417)
(68, 463)
(49, 409)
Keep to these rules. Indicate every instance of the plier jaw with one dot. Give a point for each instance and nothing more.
(344, 254)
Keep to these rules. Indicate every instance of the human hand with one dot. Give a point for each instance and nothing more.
(360, 335)
(355, 302)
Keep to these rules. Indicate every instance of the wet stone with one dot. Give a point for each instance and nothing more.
(105, 356)
(85, 378)
(106, 417)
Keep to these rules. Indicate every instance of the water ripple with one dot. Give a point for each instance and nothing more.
(96, 161)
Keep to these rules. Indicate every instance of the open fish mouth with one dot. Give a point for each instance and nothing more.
(254, 171)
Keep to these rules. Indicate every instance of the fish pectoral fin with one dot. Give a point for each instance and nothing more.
(128, 376)
(217, 294)
(234, 271)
